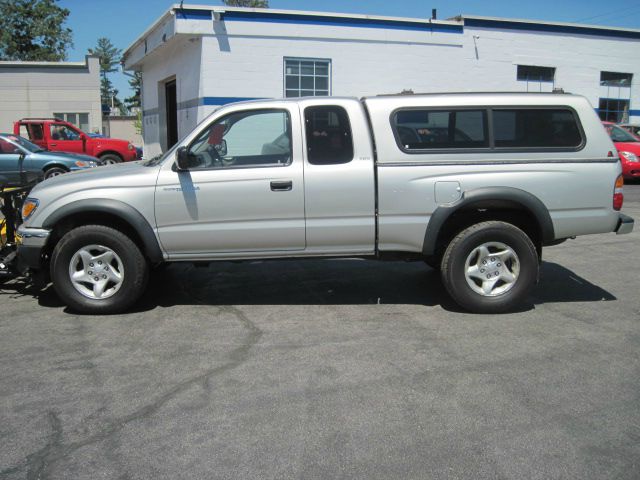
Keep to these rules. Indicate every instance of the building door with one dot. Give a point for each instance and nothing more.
(171, 108)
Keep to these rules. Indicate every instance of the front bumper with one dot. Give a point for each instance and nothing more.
(31, 243)
(625, 224)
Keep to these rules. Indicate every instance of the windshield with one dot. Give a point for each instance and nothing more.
(621, 135)
(24, 143)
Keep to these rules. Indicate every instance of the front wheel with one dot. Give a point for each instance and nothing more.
(490, 267)
(96, 269)
(54, 172)
(110, 159)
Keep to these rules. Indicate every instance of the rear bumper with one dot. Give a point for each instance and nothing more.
(31, 243)
(625, 224)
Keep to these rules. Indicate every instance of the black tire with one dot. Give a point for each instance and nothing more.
(54, 172)
(466, 244)
(135, 269)
(110, 159)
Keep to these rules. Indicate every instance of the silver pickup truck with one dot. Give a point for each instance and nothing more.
(473, 184)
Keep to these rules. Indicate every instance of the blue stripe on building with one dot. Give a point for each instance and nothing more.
(541, 27)
(192, 14)
(323, 20)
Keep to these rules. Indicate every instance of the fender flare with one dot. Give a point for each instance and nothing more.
(515, 195)
(119, 209)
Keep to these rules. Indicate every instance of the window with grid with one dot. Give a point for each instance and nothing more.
(80, 120)
(307, 77)
(614, 110)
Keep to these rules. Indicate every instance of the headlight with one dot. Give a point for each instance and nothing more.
(629, 156)
(83, 164)
(28, 207)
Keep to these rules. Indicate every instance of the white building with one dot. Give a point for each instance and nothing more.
(67, 90)
(198, 57)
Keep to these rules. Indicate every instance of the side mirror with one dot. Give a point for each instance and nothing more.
(182, 159)
(221, 148)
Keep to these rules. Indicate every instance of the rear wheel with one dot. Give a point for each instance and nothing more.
(490, 267)
(96, 269)
(110, 159)
(54, 172)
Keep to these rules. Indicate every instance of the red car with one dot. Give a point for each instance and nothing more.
(57, 135)
(628, 146)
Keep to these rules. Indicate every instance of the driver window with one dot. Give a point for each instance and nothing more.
(253, 138)
(62, 132)
(7, 147)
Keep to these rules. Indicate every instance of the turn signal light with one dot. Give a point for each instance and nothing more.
(618, 197)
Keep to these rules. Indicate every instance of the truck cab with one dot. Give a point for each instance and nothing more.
(55, 134)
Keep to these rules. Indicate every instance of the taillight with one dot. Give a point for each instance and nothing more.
(618, 197)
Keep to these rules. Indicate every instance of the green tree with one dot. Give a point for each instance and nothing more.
(33, 30)
(109, 58)
(136, 84)
(247, 3)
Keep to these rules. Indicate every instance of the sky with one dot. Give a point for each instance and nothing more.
(122, 21)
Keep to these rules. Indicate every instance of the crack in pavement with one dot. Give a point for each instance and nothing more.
(38, 463)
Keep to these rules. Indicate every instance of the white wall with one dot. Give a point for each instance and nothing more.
(217, 61)
(179, 60)
(38, 89)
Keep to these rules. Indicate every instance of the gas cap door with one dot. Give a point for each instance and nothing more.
(447, 192)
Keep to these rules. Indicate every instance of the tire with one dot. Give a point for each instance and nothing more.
(485, 250)
(108, 256)
(110, 159)
(54, 172)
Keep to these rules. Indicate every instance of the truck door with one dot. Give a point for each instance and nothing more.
(339, 178)
(244, 190)
(63, 138)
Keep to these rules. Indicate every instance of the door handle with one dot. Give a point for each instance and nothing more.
(282, 186)
(53, 144)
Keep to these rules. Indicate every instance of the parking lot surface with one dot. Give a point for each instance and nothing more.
(330, 369)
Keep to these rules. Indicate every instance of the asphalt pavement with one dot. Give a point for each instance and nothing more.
(330, 369)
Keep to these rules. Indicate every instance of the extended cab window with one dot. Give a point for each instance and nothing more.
(536, 128)
(251, 138)
(417, 129)
(328, 135)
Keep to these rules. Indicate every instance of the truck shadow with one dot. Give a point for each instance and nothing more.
(326, 282)
(337, 282)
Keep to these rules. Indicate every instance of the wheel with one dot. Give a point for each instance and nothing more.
(490, 267)
(110, 159)
(54, 172)
(96, 269)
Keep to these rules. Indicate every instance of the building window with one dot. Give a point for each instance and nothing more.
(434, 129)
(307, 77)
(328, 135)
(80, 120)
(614, 110)
(615, 79)
(530, 73)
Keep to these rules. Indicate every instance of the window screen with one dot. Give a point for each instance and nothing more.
(532, 73)
(328, 135)
(431, 129)
(616, 79)
(542, 128)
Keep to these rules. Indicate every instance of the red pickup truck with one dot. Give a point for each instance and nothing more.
(57, 135)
